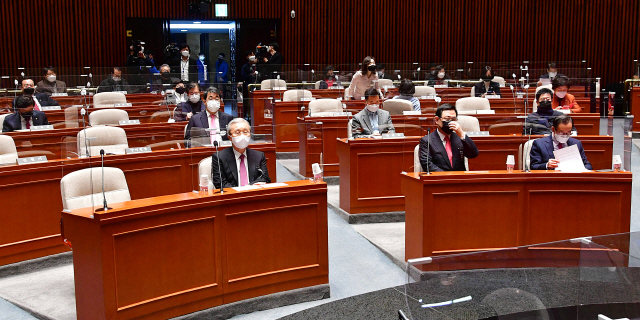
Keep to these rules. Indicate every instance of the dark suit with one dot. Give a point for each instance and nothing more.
(13, 122)
(385, 76)
(44, 99)
(546, 75)
(255, 159)
(434, 80)
(200, 120)
(436, 156)
(162, 84)
(274, 64)
(480, 89)
(192, 69)
(361, 124)
(186, 107)
(539, 123)
(108, 85)
(542, 151)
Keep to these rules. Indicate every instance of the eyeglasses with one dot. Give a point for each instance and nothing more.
(450, 119)
(236, 133)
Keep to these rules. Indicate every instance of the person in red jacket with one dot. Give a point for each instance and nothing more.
(561, 98)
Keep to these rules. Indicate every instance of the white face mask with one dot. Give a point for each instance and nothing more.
(241, 141)
(552, 74)
(561, 94)
(441, 75)
(116, 79)
(213, 106)
(51, 78)
(562, 138)
(194, 98)
(252, 58)
(201, 58)
(373, 107)
(185, 53)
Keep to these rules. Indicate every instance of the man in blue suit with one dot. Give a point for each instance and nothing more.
(542, 157)
(25, 117)
(39, 99)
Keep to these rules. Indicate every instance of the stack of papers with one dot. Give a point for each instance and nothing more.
(254, 186)
(570, 159)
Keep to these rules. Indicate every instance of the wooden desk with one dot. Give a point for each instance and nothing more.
(31, 220)
(456, 212)
(634, 102)
(168, 256)
(134, 98)
(370, 169)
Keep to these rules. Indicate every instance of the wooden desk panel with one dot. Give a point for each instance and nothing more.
(172, 255)
(455, 212)
(33, 230)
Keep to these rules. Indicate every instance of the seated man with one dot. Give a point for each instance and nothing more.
(192, 106)
(212, 118)
(25, 117)
(542, 157)
(446, 148)
(552, 72)
(539, 122)
(50, 85)
(39, 99)
(165, 81)
(239, 165)
(114, 82)
(371, 120)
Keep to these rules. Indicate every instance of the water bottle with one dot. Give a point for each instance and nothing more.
(317, 173)
(204, 185)
(511, 162)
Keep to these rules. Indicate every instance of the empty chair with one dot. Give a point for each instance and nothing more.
(111, 139)
(8, 152)
(385, 83)
(469, 123)
(296, 95)
(422, 91)
(272, 84)
(417, 167)
(397, 106)
(324, 107)
(204, 167)
(524, 153)
(499, 80)
(108, 99)
(471, 104)
(78, 191)
(107, 117)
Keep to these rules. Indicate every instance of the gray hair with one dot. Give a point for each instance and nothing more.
(165, 65)
(216, 91)
(236, 120)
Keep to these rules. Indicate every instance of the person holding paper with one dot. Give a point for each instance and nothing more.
(539, 122)
(25, 117)
(562, 99)
(239, 165)
(552, 73)
(542, 157)
(371, 120)
(212, 117)
(406, 90)
(487, 86)
(445, 148)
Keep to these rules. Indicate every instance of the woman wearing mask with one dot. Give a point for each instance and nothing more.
(363, 79)
(539, 122)
(561, 99)
(213, 118)
(487, 86)
(192, 106)
(439, 77)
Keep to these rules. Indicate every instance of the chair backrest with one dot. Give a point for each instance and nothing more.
(526, 149)
(424, 91)
(417, 167)
(396, 106)
(471, 104)
(8, 152)
(108, 99)
(204, 167)
(111, 139)
(161, 116)
(349, 133)
(296, 95)
(508, 128)
(2, 116)
(535, 102)
(317, 85)
(473, 91)
(469, 123)
(78, 192)
(324, 105)
(500, 81)
(385, 83)
(272, 83)
(107, 117)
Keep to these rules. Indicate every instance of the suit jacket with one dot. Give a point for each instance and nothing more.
(186, 107)
(193, 70)
(13, 122)
(385, 76)
(48, 88)
(160, 84)
(480, 89)
(361, 124)
(546, 76)
(108, 85)
(229, 168)
(539, 124)
(200, 120)
(435, 157)
(44, 99)
(542, 151)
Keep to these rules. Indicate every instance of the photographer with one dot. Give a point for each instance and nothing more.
(137, 67)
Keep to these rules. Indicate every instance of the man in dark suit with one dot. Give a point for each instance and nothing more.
(274, 62)
(239, 165)
(381, 72)
(446, 148)
(213, 115)
(165, 81)
(39, 99)
(542, 157)
(187, 67)
(539, 122)
(552, 73)
(115, 82)
(371, 119)
(25, 117)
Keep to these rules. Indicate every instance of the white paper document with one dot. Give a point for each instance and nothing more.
(570, 159)
(273, 185)
(245, 188)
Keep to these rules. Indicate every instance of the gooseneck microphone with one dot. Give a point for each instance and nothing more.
(215, 144)
(104, 195)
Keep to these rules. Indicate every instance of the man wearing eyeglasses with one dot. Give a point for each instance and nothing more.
(542, 157)
(239, 165)
(446, 148)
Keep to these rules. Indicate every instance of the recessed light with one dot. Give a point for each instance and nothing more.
(197, 22)
(217, 40)
(183, 30)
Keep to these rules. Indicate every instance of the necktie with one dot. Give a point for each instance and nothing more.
(244, 180)
(213, 125)
(560, 145)
(447, 146)
(37, 104)
(26, 122)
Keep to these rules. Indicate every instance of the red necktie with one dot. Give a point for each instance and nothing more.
(36, 106)
(447, 146)
(26, 122)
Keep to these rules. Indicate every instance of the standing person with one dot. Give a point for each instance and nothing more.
(275, 61)
(222, 74)
(50, 84)
(487, 85)
(39, 99)
(363, 79)
(25, 116)
(187, 67)
(249, 76)
(203, 73)
(562, 99)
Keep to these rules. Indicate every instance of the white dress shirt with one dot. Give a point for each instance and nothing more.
(184, 69)
(246, 164)
(23, 123)
(215, 135)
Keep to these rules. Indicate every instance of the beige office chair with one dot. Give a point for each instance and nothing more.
(8, 152)
(385, 83)
(500, 81)
(324, 107)
(469, 123)
(296, 95)
(526, 149)
(108, 99)
(105, 117)
(397, 106)
(535, 103)
(349, 133)
(78, 192)
(204, 167)
(111, 139)
(471, 104)
(473, 91)
(424, 91)
(417, 167)
(317, 85)
(272, 84)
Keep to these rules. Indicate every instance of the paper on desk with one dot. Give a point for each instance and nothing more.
(245, 188)
(273, 185)
(570, 159)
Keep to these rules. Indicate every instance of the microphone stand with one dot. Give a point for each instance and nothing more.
(215, 144)
(524, 151)
(515, 107)
(104, 196)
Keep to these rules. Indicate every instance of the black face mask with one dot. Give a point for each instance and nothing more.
(165, 75)
(29, 91)
(180, 90)
(544, 105)
(445, 127)
(487, 79)
(372, 68)
(27, 114)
